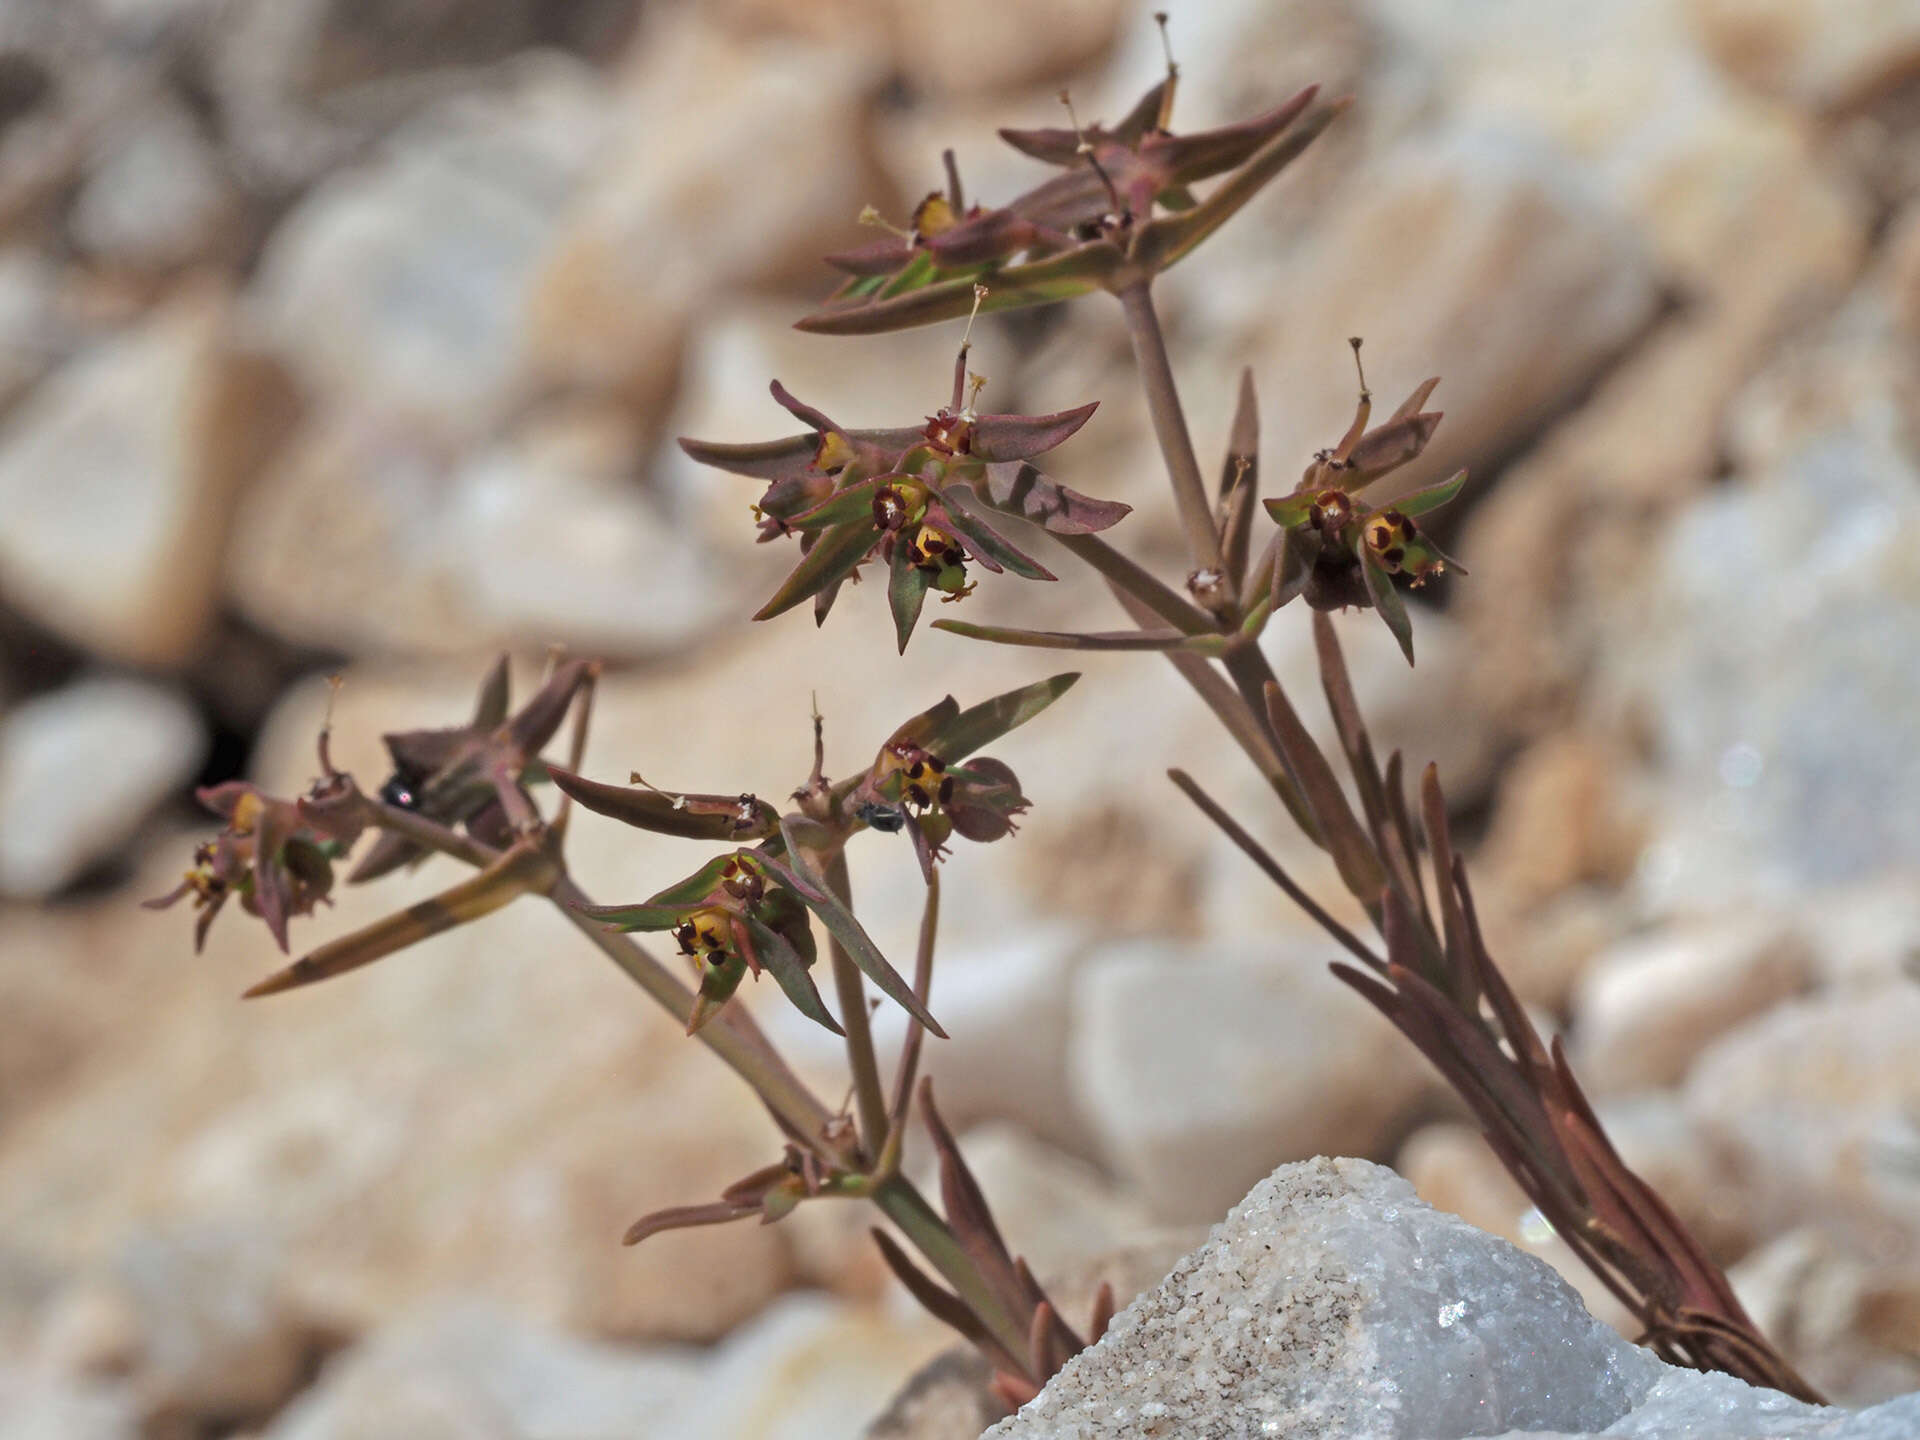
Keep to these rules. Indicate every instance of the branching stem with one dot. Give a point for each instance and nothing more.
(1170, 424)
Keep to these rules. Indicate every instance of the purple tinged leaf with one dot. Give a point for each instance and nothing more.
(800, 410)
(834, 556)
(1164, 241)
(1155, 639)
(530, 730)
(1341, 834)
(692, 817)
(880, 257)
(490, 710)
(1387, 447)
(995, 438)
(1022, 491)
(1184, 159)
(907, 586)
(271, 891)
(763, 460)
(1412, 404)
(922, 728)
(686, 1217)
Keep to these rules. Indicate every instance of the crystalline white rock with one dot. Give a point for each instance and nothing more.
(1332, 1303)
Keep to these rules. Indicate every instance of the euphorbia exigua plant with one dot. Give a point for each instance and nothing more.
(926, 501)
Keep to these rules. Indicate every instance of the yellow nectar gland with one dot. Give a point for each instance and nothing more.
(1388, 534)
(1331, 511)
(706, 935)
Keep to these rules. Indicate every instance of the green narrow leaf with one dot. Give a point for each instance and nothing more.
(1156, 639)
(992, 548)
(986, 722)
(1341, 833)
(854, 939)
(855, 502)
(783, 962)
(697, 886)
(1041, 282)
(833, 557)
(907, 586)
(637, 917)
(1386, 599)
(1289, 512)
(514, 874)
(1432, 497)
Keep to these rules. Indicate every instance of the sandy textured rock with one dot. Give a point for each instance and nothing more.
(1199, 1068)
(156, 195)
(117, 474)
(81, 768)
(1332, 1302)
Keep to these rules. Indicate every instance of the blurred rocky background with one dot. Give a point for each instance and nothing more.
(351, 335)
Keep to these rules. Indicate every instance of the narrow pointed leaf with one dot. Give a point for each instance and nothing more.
(1240, 481)
(922, 728)
(783, 962)
(1432, 497)
(1386, 599)
(836, 555)
(855, 941)
(1157, 639)
(637, 917)
(271, 892)
(1340, 832)
(907, 586)
(1392, 445)
(686, 1217)
(853, 503)
(989, 546)
(1208, 152)
(986, 722)
(1411, 406)
(1000, 438)
(1290, 512)
(1041, 282)
(1164, 241)
(508, 878)
(1021, 490)
(692, 817)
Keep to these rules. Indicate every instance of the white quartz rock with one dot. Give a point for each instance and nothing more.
(1332, 1302)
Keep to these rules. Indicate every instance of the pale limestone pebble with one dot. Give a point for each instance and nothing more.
(1824, 55)
(366, 539)
(1332, 1302)
(81, 769)
(1850, 1327)
(117, 475)
(1813, 1105)
(1499, 230)
(37, 1405)
(1869, 933)
(1202, 1066)
(401, 286)
(703, 120)
(466, 1370)
(395, 1132)
(1646, 1007)
(1780, 778)
(156, 195)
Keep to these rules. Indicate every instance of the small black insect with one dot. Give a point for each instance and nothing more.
(883, 818)
(399, 792)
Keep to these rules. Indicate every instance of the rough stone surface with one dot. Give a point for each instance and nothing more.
(1331, 1302)
(1200, 1069)
(80, 770)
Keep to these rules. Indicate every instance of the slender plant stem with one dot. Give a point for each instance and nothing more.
(1170, 424)
(918, 1221)
(909, 1067)
(429, 834)
(869, 1095)
(1125, 575)
(732, 1035)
